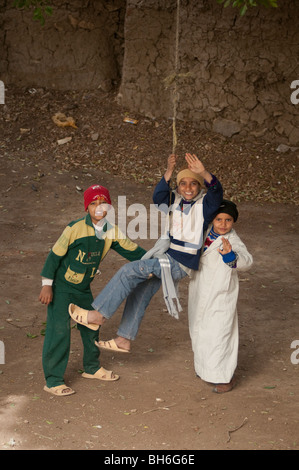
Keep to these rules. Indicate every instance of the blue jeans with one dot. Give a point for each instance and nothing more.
(132, 282)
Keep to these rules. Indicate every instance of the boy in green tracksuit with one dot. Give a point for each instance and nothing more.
(66, 277)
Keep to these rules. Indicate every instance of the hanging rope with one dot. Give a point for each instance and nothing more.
(173, 78)
(176, 68)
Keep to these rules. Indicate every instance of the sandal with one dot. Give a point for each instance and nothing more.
(223, 388)
(110, 346)
(79, 315)
(102, 374)
(60, 390)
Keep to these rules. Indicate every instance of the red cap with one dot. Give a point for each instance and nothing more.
(96, 192)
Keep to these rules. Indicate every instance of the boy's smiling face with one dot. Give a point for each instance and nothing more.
(93, 209)
(223, 223)
(188, 188)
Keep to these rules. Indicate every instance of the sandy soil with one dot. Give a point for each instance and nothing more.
(159, 403)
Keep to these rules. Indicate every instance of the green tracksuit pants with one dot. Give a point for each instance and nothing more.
(57, 342)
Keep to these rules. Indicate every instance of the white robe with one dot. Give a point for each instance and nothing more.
(212, 311)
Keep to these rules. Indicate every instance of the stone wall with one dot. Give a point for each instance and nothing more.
(80, 46)
(235, 73)
(234, 76)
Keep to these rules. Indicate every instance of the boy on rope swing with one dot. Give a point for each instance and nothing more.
(174, 256)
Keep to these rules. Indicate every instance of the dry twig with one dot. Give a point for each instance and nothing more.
(236, 429)
(159, 408)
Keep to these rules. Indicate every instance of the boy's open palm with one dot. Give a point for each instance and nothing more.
(194, 163)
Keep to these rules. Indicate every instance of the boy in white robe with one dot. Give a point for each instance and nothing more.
(213, 295)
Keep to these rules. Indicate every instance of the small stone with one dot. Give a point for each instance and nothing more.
(94, 136)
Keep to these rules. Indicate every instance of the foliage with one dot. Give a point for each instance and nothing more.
(244, 4)
(41, 8)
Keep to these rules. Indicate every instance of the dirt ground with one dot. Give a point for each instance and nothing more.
(158, 403)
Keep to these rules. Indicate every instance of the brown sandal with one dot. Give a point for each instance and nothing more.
(223, 388)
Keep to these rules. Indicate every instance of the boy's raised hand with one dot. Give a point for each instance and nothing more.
(196, 166)
(194, 163)
(226, 246)
(171, 162)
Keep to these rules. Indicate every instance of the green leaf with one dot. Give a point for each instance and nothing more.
(243, 10)
(29, 335)
(40, 8)
(243, 5)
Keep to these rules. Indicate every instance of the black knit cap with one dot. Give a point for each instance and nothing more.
(228, 207)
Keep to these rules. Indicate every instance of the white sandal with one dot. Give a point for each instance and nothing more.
(102, 374)
(79, 315)
(60, 390)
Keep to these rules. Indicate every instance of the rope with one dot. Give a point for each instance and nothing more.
(176, 67)
(173, 78)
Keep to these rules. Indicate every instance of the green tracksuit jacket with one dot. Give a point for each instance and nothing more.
(72, 264)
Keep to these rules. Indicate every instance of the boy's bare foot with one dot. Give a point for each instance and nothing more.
(95, 317)
(123, 343)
